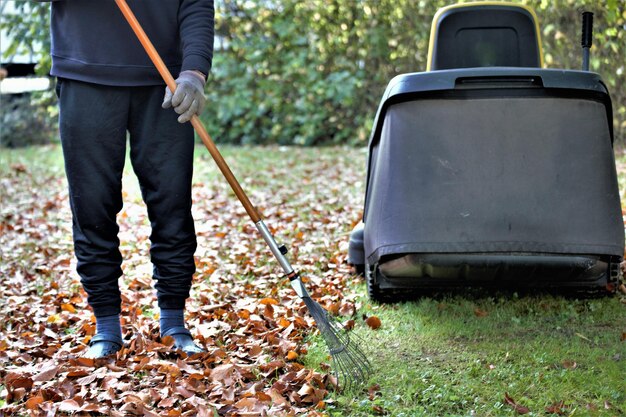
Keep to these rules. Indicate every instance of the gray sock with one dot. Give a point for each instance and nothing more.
(170, 318)
(109, 326)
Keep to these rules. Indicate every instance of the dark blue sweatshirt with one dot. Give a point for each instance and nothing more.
(92, 42)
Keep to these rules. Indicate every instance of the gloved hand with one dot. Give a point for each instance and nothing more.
(188, 99)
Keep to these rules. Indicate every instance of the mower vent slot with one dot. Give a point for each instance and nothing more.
(498, 82)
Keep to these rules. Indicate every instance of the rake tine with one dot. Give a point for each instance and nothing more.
(350, 364)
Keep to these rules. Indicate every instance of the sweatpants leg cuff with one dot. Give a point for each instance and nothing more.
(106, 310)
(171, 302)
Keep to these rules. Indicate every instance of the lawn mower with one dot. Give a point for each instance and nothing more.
(488, 170)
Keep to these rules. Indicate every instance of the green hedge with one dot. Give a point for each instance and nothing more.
(309, 73)
(312, 72)
(26, 120)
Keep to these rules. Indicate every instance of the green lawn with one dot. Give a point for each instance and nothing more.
(438, 357)
(454, 356)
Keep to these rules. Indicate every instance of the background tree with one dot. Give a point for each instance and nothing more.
(28, 27)
(27, 119)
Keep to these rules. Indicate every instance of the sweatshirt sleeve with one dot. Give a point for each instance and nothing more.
(196, 25)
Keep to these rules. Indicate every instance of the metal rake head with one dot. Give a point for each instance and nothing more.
(350, 365)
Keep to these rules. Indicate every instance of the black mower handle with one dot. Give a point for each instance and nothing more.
(587, 33)
(587, 38)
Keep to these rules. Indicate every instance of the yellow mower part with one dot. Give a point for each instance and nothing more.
(488, 5)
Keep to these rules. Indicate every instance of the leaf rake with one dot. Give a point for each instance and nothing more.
(350, 364)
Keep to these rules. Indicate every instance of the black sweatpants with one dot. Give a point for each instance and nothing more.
(94, 121)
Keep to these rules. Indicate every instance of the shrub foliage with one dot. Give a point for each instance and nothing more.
(25, 121)
(312, 72)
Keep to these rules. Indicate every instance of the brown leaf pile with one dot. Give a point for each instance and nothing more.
(241, 310)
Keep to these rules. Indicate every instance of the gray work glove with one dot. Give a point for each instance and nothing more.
(189, 96)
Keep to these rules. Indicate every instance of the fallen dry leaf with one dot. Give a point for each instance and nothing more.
(14, 381)
(378, 410)
(19, 168)
(519, 409)
(69, 406)
(569, 364)
(33, 402)
(557, 408)
(373, 391)
(68, 307)
(46, 374)
(268, 301)
(373, 322)
(582, 336)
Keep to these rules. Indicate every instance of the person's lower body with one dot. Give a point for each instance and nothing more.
(94, 121)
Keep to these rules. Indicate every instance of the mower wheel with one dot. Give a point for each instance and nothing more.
(359, 269)
(373, 289)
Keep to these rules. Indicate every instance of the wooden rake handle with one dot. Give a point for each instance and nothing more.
(195, 120)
